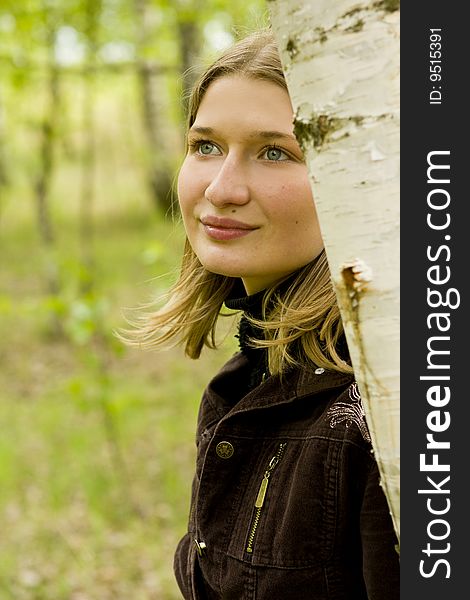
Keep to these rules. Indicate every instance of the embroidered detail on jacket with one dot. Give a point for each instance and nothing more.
(351, 412)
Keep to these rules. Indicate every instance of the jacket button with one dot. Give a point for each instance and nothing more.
(224, 449)
(200, 546)
(319, 371)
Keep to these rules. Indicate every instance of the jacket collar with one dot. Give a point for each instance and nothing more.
(226, 395)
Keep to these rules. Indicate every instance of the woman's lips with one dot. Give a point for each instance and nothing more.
(219, 228)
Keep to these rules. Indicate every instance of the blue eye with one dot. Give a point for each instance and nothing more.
(203, 147)
(206, 147)
(275, 154)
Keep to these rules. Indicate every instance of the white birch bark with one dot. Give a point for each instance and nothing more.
(341, 60)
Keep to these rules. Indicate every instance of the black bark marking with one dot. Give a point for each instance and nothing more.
(387, 5)
(358, 26)
(291, 48)
(318, 128)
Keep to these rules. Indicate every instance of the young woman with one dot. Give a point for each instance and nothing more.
(286, 500)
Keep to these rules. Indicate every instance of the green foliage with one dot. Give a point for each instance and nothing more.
(72, 521)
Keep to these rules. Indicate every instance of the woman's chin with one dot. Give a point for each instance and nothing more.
(224, 265)
(222, 269)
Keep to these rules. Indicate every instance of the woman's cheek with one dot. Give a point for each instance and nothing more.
(186, 189)
(291, 203)
(193, 180)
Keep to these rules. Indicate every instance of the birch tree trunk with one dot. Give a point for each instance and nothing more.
(341, 60)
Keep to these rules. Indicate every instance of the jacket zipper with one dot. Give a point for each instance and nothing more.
(262, 494)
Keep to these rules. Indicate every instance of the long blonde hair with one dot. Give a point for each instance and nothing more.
(302, 323)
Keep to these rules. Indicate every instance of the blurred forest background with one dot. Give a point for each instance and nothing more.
(96, 440)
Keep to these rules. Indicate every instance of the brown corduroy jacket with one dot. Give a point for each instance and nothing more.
(286, 502)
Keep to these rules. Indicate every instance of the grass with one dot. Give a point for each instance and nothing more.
(96, 441)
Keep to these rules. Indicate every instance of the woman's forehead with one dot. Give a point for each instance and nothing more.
(255, 107)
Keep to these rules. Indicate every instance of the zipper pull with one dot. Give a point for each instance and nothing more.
(262, 492)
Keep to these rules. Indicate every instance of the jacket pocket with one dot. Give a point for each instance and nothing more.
(289, 513)
(259, 502)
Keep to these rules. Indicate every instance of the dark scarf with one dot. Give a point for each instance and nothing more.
(257, 357)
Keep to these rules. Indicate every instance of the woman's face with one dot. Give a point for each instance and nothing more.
(243, 188)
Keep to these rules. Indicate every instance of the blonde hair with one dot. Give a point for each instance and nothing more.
(301, 319)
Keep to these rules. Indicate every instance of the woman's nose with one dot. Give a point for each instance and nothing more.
(229, 185)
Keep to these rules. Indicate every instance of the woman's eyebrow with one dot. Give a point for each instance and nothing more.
(254, 134)
(203, 130)
(273, 134)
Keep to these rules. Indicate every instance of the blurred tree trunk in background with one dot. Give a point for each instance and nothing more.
(153, 95)
(48, 131)
(46, 166)
(3, 165)
(341, 61)
(87, 191)
(190, 48)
